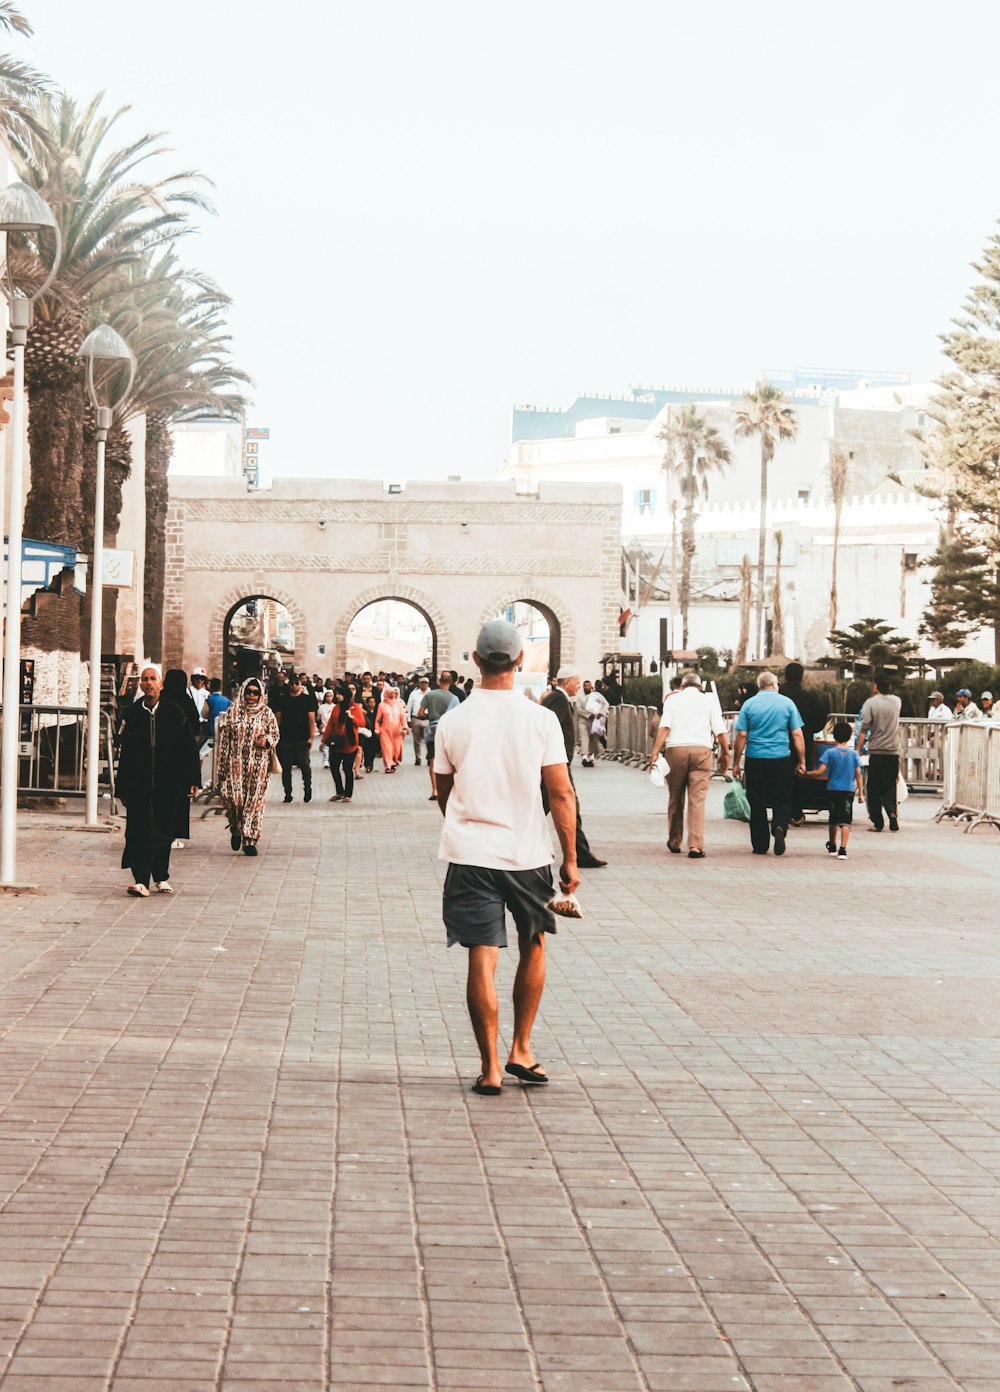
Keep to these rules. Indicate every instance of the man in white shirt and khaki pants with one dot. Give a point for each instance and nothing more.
(491, 755)
(691, 722)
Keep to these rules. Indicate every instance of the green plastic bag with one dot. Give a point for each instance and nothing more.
(735, 805)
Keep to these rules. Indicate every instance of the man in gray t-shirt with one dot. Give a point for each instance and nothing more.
(432, 707)
(880, 723)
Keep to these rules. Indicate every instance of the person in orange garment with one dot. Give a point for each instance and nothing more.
(391, 727)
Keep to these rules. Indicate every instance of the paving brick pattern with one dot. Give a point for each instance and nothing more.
(238, 1150)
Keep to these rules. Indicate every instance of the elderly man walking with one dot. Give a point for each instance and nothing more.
(691, 722)
(880, 727)
(491, 755)
(768, 727)
(561, 701)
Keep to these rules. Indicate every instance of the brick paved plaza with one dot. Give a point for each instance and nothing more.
(239, 1149)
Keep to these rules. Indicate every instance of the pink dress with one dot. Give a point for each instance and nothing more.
(390, 726)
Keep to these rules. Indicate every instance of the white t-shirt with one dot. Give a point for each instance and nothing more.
(415, 701)
(693, 717)
(496, 744)
(199, 695)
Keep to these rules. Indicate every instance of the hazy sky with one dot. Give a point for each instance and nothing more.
(430, 211)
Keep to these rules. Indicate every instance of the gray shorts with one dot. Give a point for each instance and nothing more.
(475, 899)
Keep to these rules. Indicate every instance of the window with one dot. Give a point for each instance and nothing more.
(645, 500)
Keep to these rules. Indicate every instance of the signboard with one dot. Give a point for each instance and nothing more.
(258, 432)
(119, 569)
(252, 447)
(253, 471)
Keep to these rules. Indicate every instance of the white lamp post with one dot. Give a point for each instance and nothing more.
(21, 210)
(102, 345)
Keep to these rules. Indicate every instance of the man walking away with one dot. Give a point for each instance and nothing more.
(767, 726)
(880, 722)
(158, 766)
(560, 701)
(418, 726)
(431, 709)
(691, 722)
(491, 756)
(297, 726)
(813, 713)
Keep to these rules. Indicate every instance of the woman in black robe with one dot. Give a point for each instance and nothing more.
(158, 766)
(175, 688)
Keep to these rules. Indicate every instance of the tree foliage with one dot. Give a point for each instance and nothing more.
(694, 450)
(869, 645)
(766, 416)
(964, 454)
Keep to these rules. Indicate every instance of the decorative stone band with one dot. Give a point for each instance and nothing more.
(390, 510)
(376, 562)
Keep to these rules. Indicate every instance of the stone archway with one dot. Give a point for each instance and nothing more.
(253, 589)
(423, 603)
(562, 636)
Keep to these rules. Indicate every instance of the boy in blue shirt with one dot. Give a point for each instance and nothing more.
(841, 767)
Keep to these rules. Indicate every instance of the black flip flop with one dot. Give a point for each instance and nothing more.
(533, 1075)
(484, 1089)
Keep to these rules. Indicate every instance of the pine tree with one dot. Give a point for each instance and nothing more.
(870, 644)
(965, 450)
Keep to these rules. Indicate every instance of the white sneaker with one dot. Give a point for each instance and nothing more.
(177, 845)
(163, 887)
(138, 891)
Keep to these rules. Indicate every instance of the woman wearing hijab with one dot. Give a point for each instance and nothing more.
(245, 734)
(391, 727)
(342, 739)
(175, 688)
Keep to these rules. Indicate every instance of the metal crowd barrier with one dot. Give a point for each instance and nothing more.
(972, 773)
(53, 753)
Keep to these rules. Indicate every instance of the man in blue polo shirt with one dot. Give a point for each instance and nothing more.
(769, 727)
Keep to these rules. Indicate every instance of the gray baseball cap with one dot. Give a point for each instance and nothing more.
(498, 638)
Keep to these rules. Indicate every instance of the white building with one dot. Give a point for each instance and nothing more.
(887, 529)
(207, 449)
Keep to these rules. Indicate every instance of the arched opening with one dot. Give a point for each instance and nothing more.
(258, 636)
(391, 635)
(541, 631)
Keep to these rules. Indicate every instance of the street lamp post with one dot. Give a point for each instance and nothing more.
(102, 345)
(22, 210)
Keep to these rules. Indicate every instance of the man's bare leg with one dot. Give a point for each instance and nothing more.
(481, 995)
(528, 986)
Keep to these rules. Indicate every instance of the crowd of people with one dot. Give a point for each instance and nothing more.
(276, 724)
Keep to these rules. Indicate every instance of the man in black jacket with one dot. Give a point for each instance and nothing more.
(157, 766)
(812, 709)
(560, 701)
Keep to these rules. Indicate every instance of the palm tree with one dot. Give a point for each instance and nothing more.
(838, 467)
(777, 616)
(740, 655)
(174, 321)
(694, 449)
(767, 415)
(20, 86)
(111, 220)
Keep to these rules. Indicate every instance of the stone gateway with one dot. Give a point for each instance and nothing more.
(458, 552)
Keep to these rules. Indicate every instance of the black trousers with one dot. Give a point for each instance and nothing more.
(583, 851)
(147, 845)
(342, 768)
(295, 754)
(883, 772)
(769, 783)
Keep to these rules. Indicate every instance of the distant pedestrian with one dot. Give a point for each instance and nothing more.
(491, 756)
(986, 706)
(297, 724)
(592, 714)
(418, 724)
(841, 768)
(691, 723)
(965, 706)
(367, 735)
(561, 701)
(215, 705)
(158, 766)
(880, 724)
(323, 713)
(813, 712)
(175, 689)
(245, 736)
(434, 706)
(768, 726)
(938, 710)
(391, 728)
(342, 738)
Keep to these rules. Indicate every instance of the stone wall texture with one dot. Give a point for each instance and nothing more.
(325, 549)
